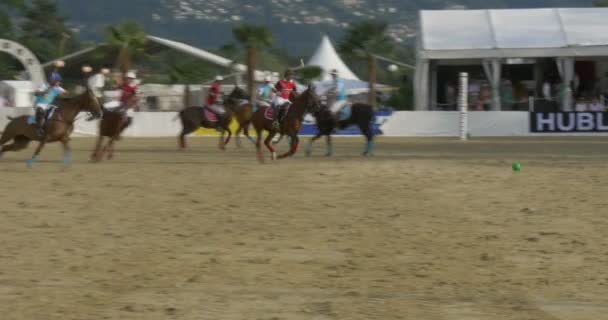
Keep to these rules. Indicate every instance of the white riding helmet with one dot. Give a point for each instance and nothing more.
(131, 75)
(267, 79)
(219, 78)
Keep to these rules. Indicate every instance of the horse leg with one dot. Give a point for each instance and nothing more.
(330, 147)
(309, 146)
(31, 161)
(258, 146)
(110, 148)
(19, 143)
(294, 142)
(67, 152)
(237, 136)
(369, 136)
(97, 154)
(246, 132)
(182, 136)
(268, 143)
(229, 136)
(221, 139)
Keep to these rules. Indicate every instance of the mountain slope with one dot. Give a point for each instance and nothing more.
(297, 24)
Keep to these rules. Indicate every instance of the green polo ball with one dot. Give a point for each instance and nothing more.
(516, 167)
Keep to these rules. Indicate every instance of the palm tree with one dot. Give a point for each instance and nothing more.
(252, 37)
(368, 38)
(129, 38)
(309, 73)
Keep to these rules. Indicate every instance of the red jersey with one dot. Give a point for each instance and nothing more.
(128, 91)
(286, 88)
(214, 94)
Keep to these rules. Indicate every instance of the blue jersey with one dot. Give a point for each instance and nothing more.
(340, 90)
(49, 97)
(266, 91)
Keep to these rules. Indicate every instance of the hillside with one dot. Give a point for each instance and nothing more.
(297, 24)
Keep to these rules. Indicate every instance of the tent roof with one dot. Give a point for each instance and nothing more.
(19, 85)
(457, 34)
(327, 59)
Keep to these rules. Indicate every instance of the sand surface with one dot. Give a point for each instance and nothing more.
(426, 229)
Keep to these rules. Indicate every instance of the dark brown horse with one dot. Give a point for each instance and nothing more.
(193, 118)
(290, 124)
(362, 115)
(111, 126)
(58, 127)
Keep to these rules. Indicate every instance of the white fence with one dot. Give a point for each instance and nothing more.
(399, 124)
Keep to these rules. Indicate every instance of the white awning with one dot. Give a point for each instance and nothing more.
(513, 33)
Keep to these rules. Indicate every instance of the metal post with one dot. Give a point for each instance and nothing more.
(463, 101)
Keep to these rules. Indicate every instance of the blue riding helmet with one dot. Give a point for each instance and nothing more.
(55, 77)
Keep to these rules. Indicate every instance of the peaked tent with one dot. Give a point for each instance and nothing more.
(327, 59)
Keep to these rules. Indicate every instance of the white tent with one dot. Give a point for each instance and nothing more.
(492, 36)
(327, 59)
(17, 93)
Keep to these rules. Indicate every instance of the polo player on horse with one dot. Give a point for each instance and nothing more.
(337, 94)
(128, 96)
(287, 90)
(214, 98)
(45, 97)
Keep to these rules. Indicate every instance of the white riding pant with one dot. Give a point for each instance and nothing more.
(217, 108)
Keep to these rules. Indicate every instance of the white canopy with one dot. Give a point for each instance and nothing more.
(513, 33)
(327, 58)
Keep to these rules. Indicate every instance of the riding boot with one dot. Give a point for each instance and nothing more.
(276, 123)
(40, 120)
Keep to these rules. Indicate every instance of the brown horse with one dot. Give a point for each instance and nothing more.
(193, 118)
(58, 127)
(112, 124)
(238, 102)
(290, 124)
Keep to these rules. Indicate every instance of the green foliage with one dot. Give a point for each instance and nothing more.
(129, 40)
(253, 36)
(600, 3)
(44, 30)
(367, 37)
(309, 74)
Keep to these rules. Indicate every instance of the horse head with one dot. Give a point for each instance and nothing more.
(91, 104)
(312, 102)
(238, 93)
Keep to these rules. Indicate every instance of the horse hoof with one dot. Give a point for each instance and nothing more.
(328, 155)
(273, 156)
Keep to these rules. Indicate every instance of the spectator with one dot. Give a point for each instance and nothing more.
(547, 90)
(450, 96)
(581, 106)
(506, 94)
(596, 105)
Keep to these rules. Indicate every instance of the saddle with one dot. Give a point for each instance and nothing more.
(282, 110)
(210, 114)
(31, 120)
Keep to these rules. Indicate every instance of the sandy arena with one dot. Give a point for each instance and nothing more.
(426, 229)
